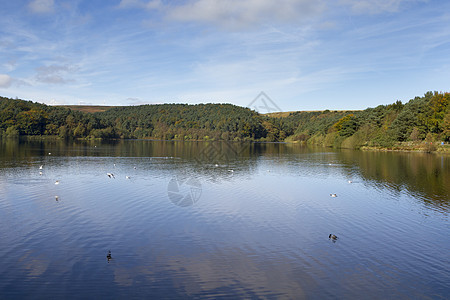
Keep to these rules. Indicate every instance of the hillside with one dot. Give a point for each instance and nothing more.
(422, 119)
(283, 114)
(87, 108)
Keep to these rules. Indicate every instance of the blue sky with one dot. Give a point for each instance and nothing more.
(304, 54)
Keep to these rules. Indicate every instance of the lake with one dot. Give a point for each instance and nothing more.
(221, 220)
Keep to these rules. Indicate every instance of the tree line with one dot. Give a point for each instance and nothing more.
(422, 118)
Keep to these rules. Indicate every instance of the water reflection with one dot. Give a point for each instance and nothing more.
(427, 176)
(257, 222)
(424, 175)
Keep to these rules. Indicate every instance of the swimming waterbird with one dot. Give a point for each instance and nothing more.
(332, 237)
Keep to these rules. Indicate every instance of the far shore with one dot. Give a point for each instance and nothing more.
(419, 147)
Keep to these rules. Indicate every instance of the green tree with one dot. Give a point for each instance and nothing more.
(347, 125)
(415, 134)
(446, 126)
(79, 131)
(64, 132)
(12, 132)
(32, 122)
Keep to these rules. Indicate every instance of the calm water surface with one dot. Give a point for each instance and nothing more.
(219, 220)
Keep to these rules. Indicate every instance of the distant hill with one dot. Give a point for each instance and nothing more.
(422, 120)
(284, 114)
(87, 108)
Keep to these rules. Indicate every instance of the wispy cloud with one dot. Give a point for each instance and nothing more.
(234, 14)
(42, 6)
(242, 14)
(153, 4)
(223, 50)
(54, 74)
(377, 6)
(5, 81)
(10, 65)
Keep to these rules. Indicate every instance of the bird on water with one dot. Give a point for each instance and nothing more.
(333, 195)
(108, 256)
(332, 237)
(110, 175)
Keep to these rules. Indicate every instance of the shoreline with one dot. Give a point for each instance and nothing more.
(416, 147)
(442, 149)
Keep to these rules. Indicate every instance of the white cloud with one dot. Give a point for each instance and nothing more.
(153, 4)
(233, 14)
(41, 6)
(377, 6)
(237, 14)
(5, 81)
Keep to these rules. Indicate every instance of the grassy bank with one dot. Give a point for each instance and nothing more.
(413, 147)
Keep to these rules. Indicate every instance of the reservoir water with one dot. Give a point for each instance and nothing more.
(221, 220)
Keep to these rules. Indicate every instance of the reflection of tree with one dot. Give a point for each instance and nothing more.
(426, 175)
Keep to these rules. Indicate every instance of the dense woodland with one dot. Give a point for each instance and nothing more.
(424, 118)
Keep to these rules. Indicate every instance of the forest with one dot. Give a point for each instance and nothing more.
(422, 119)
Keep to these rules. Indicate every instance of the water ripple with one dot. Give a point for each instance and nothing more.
(259, 228)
